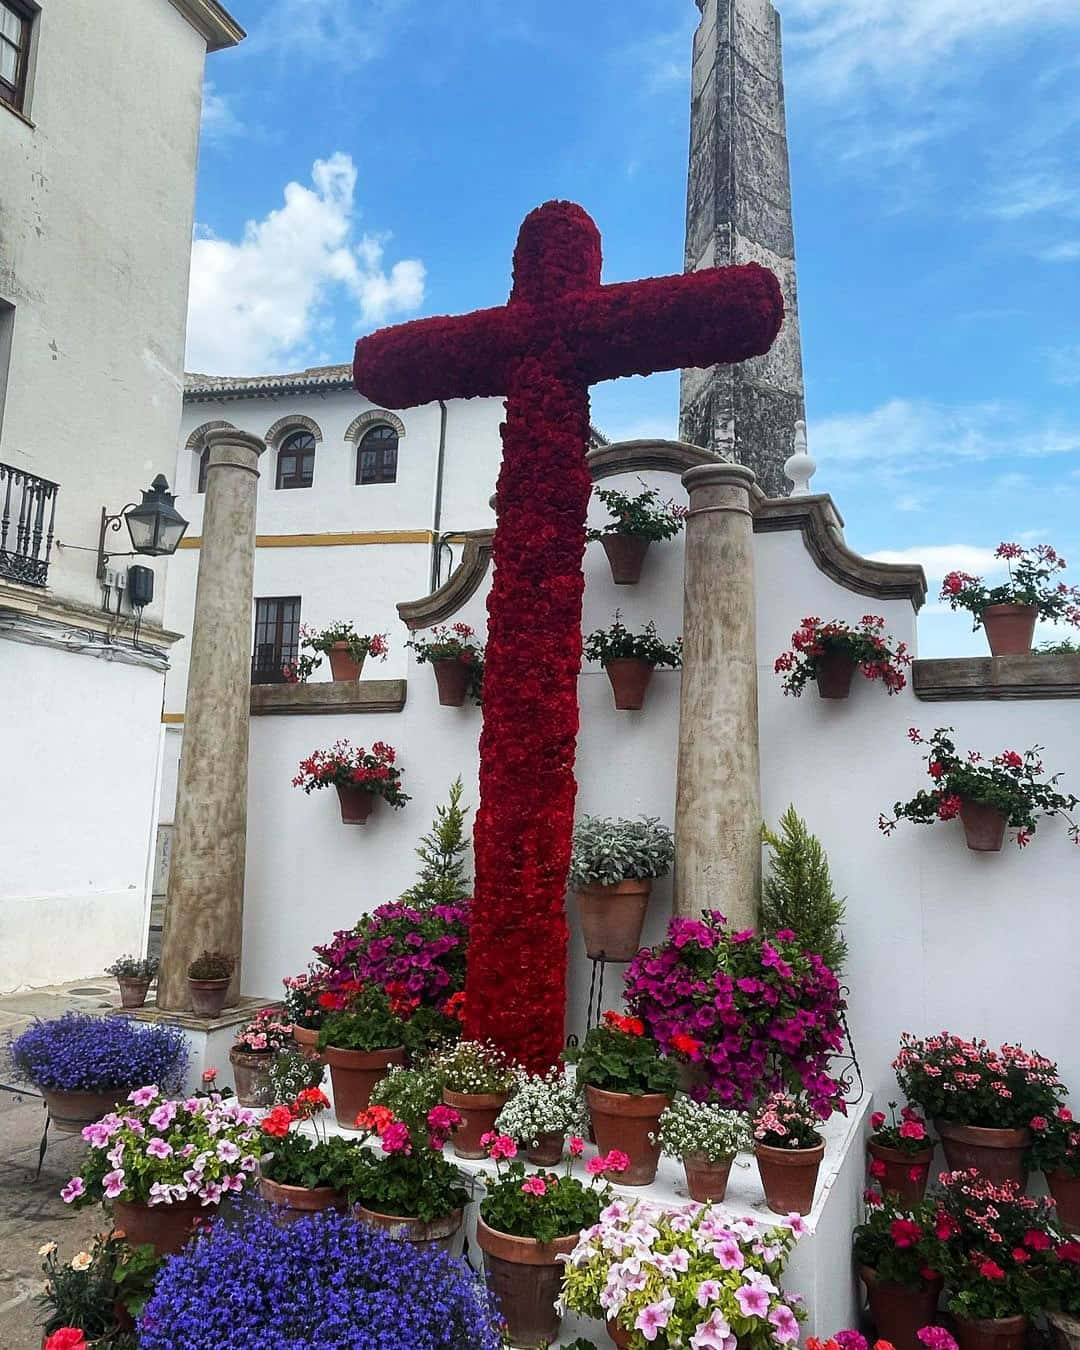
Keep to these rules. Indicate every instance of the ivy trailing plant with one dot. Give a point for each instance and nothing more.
(617, 1056)
(618, 643)
(1031, 582)
(646, 515)
(797, 894)
(1014, 784)
(608, 851)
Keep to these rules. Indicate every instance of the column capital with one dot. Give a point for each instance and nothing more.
(231, 449)
(717, 475)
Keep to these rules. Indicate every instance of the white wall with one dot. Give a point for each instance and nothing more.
(80, 751)
(940, 937)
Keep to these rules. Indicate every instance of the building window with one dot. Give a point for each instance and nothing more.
(204, 464)
(376, 456)
(16, 22)
(296, 461)
(277, 638)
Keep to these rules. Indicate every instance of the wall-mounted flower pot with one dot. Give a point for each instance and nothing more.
(526, 1277)
(706, 1180)
(208, 996)
(628, 1123)
(132, 992)
(834, 672)
(343, 666)
(626, 554)
(906, 1174)
(293, 1202)
(478, 1111)
(612, 918)
(356, 804)
(984, 827)
(438, 1233)
(789, 1176)
(997, 1154)
(899, 1313)
(991, 1333)
(629, 679)
(1009, 628)
(547, 1150)
(354, 1074)
(251, 1075)
(1066, 1193)
(452, 678)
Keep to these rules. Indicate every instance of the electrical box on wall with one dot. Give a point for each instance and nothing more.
(140, 587)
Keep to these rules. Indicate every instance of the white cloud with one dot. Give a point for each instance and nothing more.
(323, 32)
(937, 559)
(1033, 193)
(219, 122)
(1068, 251)
(256, 305)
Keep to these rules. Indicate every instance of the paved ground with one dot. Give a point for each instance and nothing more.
(31, 1212)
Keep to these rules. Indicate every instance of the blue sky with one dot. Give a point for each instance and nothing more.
(367, 161)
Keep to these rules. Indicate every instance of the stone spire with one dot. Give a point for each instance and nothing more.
(739, 210)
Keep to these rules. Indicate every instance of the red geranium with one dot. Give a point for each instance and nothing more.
(67, 1338)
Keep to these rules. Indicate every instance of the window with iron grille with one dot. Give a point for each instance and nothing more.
(16, 25)
(296, 461)
(277, 638)
(376, 456)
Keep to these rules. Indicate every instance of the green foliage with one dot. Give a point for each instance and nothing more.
(133, 968)
(798, 892)
(1064, 647)
(409, 1093)
(87, 1293)
(607, 851)
(646, 515)
(875, 1243)
(622, 1061)
(416, 1185)
(366, 1024)
(212, 966)
(554, 1206)
(442, 856)
(618, 643)
(299, 1160)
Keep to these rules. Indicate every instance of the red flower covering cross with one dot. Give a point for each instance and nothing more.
(560, 332)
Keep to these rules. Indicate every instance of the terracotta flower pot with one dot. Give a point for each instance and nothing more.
(132, 992)
(984, 827)
(208, 996)
(354, 1074)
(1009, 628)
(612, 917)
(1066, 1193)
(629, 679)
(834, 673)
(618, 1336)
(997, 1154)
(706, 1180)
(426, 1236)
(991, 1333)
(356, 804)
(70, 1111)
(906, 1174)
(1064, 1330)
(478, 1111)
(625, 1122)
(789, 1176)
(165, 1227)
(251, 1075)
(452, 678)
(307, 1039)
(548, 1150)
(899, 1313)
(296, 1201)
(626, 554)
(526, 1277)
(342, 665)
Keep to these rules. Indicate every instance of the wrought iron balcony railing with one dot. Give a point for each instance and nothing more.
(27, 515)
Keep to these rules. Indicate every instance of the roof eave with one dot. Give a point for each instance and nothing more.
(213, 21)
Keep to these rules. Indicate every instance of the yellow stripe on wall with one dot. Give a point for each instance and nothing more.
(172, 719)
(330, 540)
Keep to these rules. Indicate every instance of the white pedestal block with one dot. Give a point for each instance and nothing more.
(209, 1038)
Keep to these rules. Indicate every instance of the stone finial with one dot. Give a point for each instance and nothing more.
(800, 468)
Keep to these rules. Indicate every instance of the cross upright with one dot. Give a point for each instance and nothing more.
(561, 331)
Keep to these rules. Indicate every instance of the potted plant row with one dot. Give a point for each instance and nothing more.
(458, 662)
(705, 1138)
(1007, 613)
(86, 1067)
(630, 659)
(344, 647)
(713, 1281)
(134, 975)
(636, 522)
(360, 776)
(1009, 791)
(543, 1111)
(831, 652)
(612, 867)
(628, 1086)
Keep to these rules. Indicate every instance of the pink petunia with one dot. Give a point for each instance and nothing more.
(654, 1317)
(753, 1302)
(75, 1187)
(142, 1096)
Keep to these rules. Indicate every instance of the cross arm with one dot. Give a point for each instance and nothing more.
(718, 315)
(445, 357)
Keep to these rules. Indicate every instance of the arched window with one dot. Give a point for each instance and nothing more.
(376, 455)
(204, 464)
(296, 460)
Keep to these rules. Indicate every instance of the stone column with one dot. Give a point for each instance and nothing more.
(718, 797)
(205, 904)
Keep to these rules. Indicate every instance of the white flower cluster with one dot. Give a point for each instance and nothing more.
(548, 1103)
(700, 1127)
